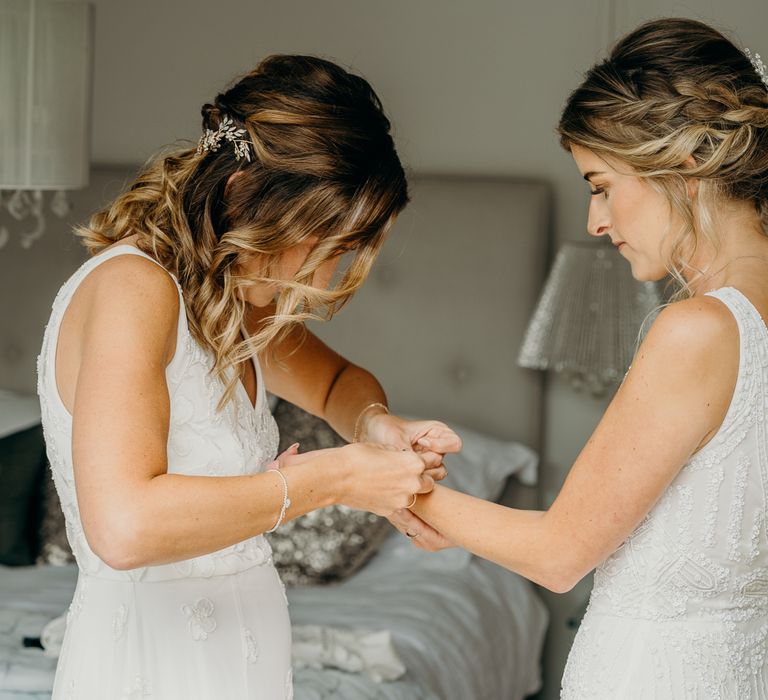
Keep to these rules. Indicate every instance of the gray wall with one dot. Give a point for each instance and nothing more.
(472, 86)
(29, 279)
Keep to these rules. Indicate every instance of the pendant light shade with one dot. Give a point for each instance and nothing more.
(45, 81)
(46, 49)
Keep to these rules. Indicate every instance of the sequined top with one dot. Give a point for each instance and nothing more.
(680, 610)
(239, 440)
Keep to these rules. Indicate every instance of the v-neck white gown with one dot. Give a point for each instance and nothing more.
(211, 627)
(680, 610)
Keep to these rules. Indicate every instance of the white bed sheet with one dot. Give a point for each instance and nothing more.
(465, 631)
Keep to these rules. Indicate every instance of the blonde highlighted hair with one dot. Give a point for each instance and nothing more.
(669, 90)
(323, 168)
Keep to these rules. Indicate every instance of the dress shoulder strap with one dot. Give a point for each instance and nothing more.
(750, 394)
(753, 332)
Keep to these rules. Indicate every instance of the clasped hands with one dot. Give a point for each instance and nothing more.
(431, 440)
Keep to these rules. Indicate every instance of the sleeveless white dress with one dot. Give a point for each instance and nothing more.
(680, 610)
(211, 627)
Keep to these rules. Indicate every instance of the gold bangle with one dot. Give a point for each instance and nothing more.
(356, 432)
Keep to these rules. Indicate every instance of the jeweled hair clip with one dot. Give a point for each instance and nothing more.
(212, 139)
(758, 65)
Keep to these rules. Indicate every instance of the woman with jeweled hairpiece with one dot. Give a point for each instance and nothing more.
(153, 378)
(668, 498)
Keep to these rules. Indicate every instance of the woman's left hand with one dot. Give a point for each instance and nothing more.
(431, 439)
(423, 535)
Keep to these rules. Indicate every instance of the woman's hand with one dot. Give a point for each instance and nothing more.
(282, 459)
(431, 439)
(378, 478)
(423, 535)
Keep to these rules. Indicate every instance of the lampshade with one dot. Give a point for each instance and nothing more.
(45, 81)
(589, 317)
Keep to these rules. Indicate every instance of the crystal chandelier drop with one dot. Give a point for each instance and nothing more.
(45, 80)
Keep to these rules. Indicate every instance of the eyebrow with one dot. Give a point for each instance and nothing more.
(591, 173)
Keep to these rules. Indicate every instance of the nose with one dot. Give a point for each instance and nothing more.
(598, 220)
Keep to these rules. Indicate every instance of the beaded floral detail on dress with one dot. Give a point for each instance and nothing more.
(251, 647)
(680, 610)
(138, 688)
(200, 619)
(118, 623)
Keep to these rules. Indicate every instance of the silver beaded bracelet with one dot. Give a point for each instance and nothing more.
(286, 500)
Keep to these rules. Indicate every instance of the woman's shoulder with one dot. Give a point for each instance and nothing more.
(687, 365)
(131, 273)
(695, 322)
(693, 342)
(132, 292)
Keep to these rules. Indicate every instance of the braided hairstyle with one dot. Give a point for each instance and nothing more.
(322, 165)
(670, 90)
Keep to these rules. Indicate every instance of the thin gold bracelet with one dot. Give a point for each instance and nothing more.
(377, 404)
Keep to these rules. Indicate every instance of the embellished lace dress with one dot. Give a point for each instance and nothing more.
(680, 610)
(211, 627)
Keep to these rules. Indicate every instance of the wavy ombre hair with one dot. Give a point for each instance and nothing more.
(671, 89)
(323, 168)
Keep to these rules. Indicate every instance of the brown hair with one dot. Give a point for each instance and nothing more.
(323, 163)
(671, 89)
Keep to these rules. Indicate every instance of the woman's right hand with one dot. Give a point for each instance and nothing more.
(376, 478)
(384, 479)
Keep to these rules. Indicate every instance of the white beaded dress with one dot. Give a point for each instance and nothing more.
(680, 610)
(211, 627)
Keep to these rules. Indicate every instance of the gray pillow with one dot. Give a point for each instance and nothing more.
(22, 461)
(326, 545)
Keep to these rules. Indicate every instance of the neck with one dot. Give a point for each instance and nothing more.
(742, 251)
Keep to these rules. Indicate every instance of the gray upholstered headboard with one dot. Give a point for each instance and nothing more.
(442, 315)
(439, 321)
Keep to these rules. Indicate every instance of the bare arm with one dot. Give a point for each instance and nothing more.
(305, 371)
(134, 513)
(671, 403)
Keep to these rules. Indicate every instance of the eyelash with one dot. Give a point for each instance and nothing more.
(597, 191)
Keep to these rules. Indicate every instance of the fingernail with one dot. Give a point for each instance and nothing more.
(295, 447)
(424, 442)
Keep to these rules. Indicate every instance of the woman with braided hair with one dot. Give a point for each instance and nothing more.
(153, 378)
(668, 498)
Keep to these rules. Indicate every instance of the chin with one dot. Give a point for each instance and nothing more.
(260, 298)
(642, 271)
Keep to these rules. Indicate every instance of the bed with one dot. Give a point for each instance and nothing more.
(444, 620)
(448, 301)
